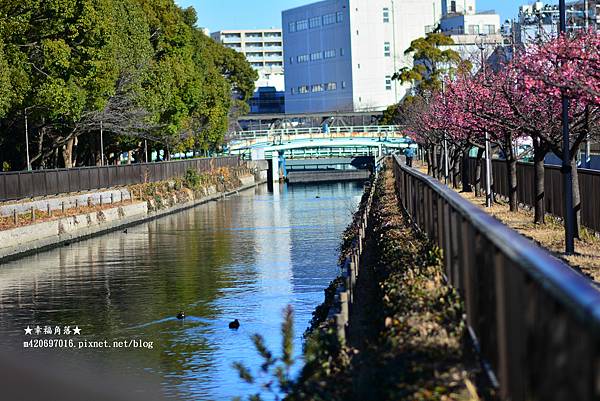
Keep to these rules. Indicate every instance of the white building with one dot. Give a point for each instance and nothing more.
(458, 7)
(485, 23)
(538, 21)
(473, 32)
(264, 50)
(340, 55)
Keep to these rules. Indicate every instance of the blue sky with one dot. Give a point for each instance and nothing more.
(248, 14)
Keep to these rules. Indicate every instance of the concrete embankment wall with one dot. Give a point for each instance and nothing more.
(20, 241)
(67, 201)
(325, 176)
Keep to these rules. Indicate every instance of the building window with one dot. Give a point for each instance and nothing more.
(303, 89)
(293, 91)
(331, 86)
(474, 29)
(388, 83)
(329, 19)
(291, 60)
(292, 27)
(316, 56)
(318, 88)
(339, 16)
(490, 29)
(386, 15)
(303, 58)
(330, 53)
(359, 66)
(428, 28)
(453, 6)
(343, 84)
(314, 22)
(302, 25)
(387, 49)
(341, 52)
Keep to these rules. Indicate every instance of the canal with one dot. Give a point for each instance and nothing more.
(244, 257)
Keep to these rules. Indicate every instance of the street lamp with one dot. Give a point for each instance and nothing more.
(27, 140)
(488, 155)
(566, 163)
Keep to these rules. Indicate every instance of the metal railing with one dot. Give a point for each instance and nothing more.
(537, 321)
(589, 189)
(29, 184)
(369, 129)
(345, 295)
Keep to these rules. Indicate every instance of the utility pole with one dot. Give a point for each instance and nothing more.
(488, 152)
(146, 149)
(446, 167)
(586, 25)
(27, 141)
(566, 163)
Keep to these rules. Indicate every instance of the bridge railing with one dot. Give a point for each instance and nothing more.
(370, 129)
(29, 184)
(536, 320)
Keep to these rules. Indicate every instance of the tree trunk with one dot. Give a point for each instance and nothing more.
(511, 171)
(539, 154)
(512, 183)
(434, 159)
(440, 163)
(41, 148)
(478, 171)
(576, 197)
(67, 153)
(466, 173)
(455, 167)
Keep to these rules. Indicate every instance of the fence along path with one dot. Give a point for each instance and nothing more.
(589, 188)
(29, 184)
(537, 321)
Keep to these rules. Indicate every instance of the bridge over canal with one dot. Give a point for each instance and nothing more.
(279, 145)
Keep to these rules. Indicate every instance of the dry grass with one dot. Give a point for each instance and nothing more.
(549, 235)
(25, 219)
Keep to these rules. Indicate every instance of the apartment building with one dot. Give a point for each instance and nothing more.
(263, 48)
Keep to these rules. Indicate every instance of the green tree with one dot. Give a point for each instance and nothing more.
(141, 67)
(431, 63)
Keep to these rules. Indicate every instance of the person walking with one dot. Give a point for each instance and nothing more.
(409, 153)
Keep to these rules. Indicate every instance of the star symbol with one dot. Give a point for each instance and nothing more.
(76, 330)
(28, 330)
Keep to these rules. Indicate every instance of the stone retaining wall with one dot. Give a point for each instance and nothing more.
(33, 238)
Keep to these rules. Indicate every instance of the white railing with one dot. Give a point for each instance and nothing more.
(361, 129)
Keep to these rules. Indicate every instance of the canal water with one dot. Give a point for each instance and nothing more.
(246, 257)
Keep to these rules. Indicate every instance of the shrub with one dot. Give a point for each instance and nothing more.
(192, 179)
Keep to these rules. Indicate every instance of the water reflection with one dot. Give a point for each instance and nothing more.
(245, 257)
